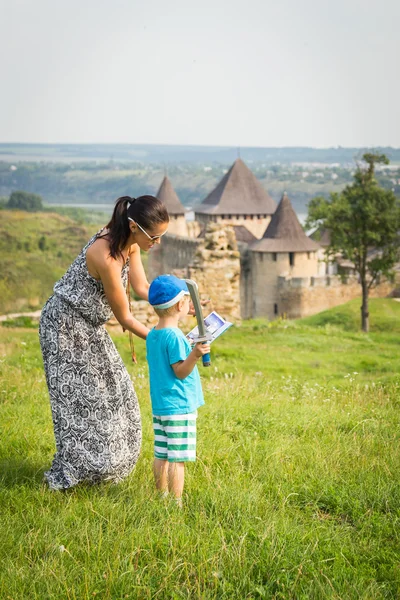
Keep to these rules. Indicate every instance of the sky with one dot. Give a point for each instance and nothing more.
(211, 72)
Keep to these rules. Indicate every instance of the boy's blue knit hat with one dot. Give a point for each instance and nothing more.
(167, 290)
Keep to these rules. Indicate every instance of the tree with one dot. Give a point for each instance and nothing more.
(25, 201)
(364, 226)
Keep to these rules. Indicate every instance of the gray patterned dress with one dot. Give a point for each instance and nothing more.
(94, 406)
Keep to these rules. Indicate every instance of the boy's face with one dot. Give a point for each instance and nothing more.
(184, 310)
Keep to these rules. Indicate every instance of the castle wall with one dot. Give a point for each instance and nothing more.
(305, 296)
(193, 228)
(174, 252)
(178, 225)
(257, 224)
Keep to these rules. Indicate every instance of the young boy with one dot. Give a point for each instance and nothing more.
(175, 387)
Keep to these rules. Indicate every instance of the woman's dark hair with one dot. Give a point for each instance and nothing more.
(148, 211)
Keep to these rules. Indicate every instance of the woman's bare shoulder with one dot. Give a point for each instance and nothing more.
(100, 249)
(98, 258)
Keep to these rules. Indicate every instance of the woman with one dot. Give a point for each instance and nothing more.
(94, 406)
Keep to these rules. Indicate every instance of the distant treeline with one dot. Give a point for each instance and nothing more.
(100, 183)
(153, 153)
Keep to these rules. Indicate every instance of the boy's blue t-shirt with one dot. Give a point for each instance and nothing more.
(169, 394)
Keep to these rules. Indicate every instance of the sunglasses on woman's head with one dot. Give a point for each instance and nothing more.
(151, 237)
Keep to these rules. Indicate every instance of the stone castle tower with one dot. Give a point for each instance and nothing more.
(239, 200)
(283, 251)
(176, 210)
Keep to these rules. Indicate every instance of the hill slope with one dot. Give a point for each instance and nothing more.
(384, 316)
(35, 250)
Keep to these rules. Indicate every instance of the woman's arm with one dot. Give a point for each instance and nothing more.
(110, 274)
(137, 276)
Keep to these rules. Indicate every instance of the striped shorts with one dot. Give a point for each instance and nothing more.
(175, 437)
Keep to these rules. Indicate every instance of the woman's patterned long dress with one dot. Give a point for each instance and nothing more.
(94, 406)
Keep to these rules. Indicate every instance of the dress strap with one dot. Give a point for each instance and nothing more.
(131, 342)
(128, 294)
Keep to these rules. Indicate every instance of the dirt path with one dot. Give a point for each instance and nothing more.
(34, 315)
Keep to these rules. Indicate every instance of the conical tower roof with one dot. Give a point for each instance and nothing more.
(169, 197)
(238, 193)
(284, 233)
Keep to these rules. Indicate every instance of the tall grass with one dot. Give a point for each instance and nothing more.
(295, 493)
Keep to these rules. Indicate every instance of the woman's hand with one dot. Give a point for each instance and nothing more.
(191, 306)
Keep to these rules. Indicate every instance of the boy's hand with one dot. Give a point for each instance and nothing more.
(184, 367)
(200, 349)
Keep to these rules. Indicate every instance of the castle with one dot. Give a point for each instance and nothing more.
(249, 256)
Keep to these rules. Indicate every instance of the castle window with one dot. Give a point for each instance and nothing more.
(275, 309)
(291, 259)
(229, 216)
(274, 256)
(308, 254)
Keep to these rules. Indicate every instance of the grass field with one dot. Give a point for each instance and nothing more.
(295, 493)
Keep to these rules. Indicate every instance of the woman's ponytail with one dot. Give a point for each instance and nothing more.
(118, 227)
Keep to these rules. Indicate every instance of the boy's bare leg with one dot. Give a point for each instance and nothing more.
(176, 478)
(160, 470)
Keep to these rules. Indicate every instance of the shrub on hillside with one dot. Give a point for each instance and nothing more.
(25, 201)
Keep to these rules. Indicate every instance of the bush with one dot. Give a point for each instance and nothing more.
(42, 243)
(25, 201)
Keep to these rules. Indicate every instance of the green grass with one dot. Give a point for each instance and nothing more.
(323, 348)
(295, 493)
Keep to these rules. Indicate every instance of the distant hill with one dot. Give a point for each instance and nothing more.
(153, 153)
(96, 175)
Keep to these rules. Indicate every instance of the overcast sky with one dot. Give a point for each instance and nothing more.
(213, 72)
